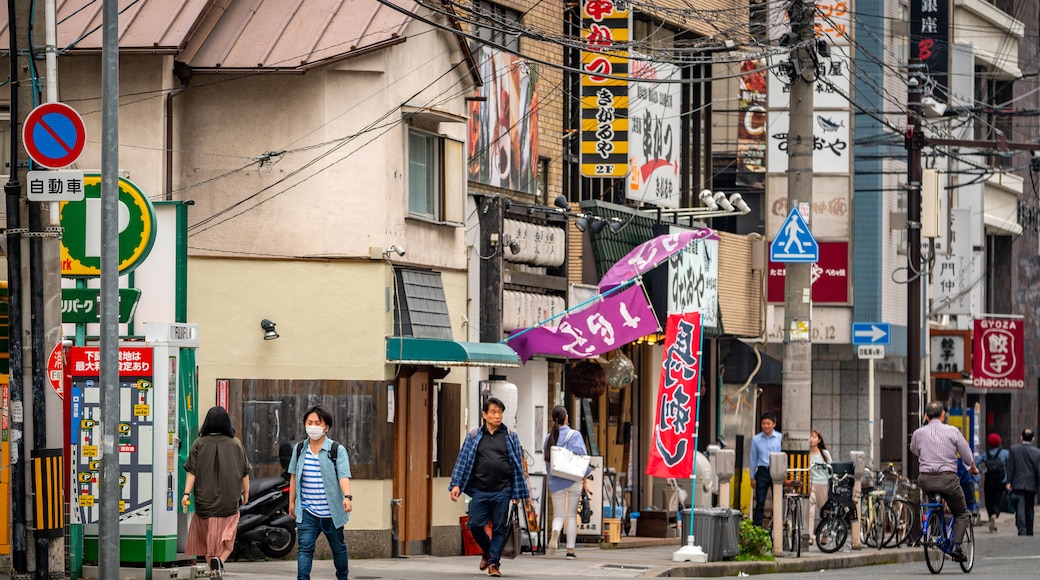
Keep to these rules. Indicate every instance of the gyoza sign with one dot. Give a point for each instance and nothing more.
(998, 354)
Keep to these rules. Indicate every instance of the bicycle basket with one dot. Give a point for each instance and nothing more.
(890, 485)
(842, 487)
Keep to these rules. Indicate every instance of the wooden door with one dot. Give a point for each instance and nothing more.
(413, 463)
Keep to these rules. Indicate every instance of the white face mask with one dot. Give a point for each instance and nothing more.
(315, 432)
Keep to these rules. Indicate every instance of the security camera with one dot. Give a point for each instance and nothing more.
(396, 249)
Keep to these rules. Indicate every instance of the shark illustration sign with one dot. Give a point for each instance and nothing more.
(81, 220)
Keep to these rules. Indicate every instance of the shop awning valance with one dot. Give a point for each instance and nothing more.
(450, 353)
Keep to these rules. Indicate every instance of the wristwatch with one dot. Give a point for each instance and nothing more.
(348, 496)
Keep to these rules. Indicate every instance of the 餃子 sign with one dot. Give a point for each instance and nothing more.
(998, 354)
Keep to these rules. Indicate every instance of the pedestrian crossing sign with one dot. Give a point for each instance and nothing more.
(794, 242)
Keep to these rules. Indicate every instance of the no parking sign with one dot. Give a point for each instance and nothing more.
(54, 135)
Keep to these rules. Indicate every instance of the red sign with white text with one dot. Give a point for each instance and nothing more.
(998, 352)
(830, 276)
(675, 431)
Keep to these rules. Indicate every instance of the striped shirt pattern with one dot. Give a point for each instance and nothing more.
(937, 445)
(312, 490)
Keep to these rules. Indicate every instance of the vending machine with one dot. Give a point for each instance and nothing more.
(157, 425)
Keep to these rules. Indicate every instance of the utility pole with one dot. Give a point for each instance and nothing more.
(797, 369)
(914, 144)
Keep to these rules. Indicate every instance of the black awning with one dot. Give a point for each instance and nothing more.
(738, 360)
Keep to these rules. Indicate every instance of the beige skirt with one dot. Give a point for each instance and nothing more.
(212, 537)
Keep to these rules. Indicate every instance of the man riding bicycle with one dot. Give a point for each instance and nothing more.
(937, 446)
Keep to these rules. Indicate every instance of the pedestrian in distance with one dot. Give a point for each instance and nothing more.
(818, 478)
(765, 442)
(994, 468)
(1023, 474)
(218, 476)
(319, 493)
(937, 447)
(565, 492)
(490, 470)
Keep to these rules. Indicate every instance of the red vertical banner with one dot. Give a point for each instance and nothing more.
(997, 361)
(672, 451)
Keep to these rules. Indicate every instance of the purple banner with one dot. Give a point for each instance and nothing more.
(604, 325)
(648, 255)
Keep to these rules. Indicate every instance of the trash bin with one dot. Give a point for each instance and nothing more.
(715, 532)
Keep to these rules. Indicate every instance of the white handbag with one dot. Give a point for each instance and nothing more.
(566, 464)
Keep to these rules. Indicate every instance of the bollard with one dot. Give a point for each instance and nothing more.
(778, 472)
(858, 458)
(725, 466)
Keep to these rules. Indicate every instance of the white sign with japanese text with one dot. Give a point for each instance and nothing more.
(65, 185)
(952, 273)
(693, 281)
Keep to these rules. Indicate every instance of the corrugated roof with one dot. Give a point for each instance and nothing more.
(155, 25)
(291, 34)
(235, 34)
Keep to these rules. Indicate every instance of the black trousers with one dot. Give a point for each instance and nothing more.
(993, 491)
(763, 482)
(1024, 513)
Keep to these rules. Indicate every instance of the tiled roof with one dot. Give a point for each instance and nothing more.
(234, 34)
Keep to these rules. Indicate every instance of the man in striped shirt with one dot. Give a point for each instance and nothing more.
(937, 447)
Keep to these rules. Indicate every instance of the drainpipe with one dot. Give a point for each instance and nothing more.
(168, 161)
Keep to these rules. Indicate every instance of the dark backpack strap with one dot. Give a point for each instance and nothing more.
(333, 454)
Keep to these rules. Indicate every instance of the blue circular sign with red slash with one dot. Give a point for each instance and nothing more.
(53, 135)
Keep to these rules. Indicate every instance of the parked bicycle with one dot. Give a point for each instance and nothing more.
(875, 515)
(838, 513)
(904, 509)
(794, 495)
(938, 536)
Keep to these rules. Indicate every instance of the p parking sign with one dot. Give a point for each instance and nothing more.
(81, 220)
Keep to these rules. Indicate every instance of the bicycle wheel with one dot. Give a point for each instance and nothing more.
(933, 537)
(831, 534)
(903, 521)
(788, 533)
(968, 545)
(796, 526)
(889, 525)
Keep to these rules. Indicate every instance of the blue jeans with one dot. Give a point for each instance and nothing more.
(491, 506)
(307, 534)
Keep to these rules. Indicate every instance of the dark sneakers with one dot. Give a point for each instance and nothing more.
(957, 555)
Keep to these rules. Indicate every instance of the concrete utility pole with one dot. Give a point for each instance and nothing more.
(914, 143)
(797, 370)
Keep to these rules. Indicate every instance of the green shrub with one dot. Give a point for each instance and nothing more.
(755, 543)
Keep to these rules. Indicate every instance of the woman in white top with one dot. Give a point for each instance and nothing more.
(818, 477)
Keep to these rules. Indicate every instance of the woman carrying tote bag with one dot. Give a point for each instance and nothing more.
(564, 491)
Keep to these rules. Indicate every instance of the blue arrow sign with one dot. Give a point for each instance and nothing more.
(794, 242)
(871, 333)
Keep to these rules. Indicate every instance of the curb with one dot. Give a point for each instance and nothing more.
(794, 565)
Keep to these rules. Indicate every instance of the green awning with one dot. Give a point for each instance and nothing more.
(448, 353)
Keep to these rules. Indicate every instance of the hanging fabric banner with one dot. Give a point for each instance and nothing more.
(672, 451)
(650, 254)
(606, 324)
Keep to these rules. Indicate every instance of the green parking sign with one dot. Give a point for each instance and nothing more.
(81, 222)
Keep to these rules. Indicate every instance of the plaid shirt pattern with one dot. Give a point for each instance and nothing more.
(460, 476)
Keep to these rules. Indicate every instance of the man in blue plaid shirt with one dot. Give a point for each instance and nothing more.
(490, 471)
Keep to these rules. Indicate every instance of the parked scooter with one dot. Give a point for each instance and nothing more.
(264, 521)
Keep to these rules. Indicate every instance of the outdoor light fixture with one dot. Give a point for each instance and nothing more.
(395, 249)
(562, 203)
(581, 223)
(617, 225)
(708, 200)
(269, 332)
(597, 226)
(722, 202)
